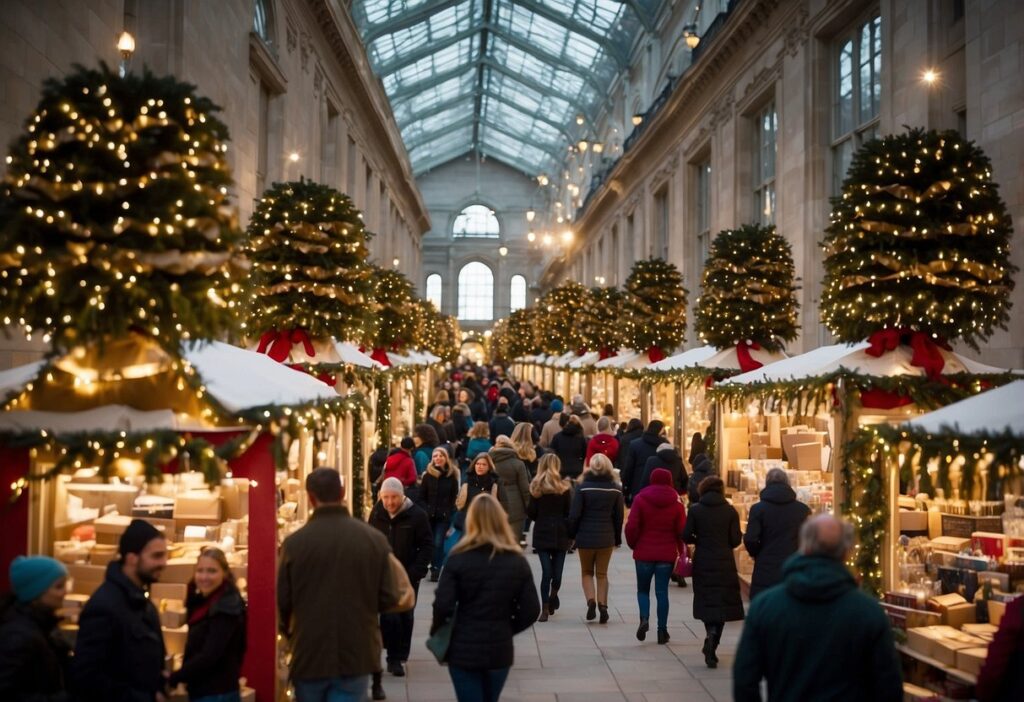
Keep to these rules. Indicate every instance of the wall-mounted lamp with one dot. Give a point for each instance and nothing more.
(530, 214)
(126, 45)
(503, 251)
(637, 119)
(929, 76)
(690, 36)
(294, 157)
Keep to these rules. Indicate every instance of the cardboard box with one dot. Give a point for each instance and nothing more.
(85, 578)
(913, 521)
(792, 438)
(944, 648)
(996, 609)
(940, 603)
(167, 591)
(941, 642)
(951, 544)
(761, 452)
(174, 618)
(913, 693)
(970, 660)
(773, 423)
(759, 438)
(198, 504)
(981, 630)
(179, 570)
(734, 443)
(808, 456)
(109, 527)
(958, 615)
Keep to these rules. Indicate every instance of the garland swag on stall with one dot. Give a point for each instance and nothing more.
(116, 216)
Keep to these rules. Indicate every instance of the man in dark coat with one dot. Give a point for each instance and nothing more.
(501, 424)
(119, 650)
(571, 448)
(639, 451)
(817, 630)
(634, 429)
(714, 526)
(668, 458)
(334, 577)
(773, 530)
(407, 529)
(702, 468)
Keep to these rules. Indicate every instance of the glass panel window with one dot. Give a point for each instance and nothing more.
(476, 292)
(661, 205)
(857, 71)
(703, 213)
(765, 130)
(434, 289)
(476, 220)
(517, 297)
(261, 20)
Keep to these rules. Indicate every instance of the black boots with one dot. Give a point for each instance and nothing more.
(641, 631)
(591, 610)
(663, 636)
(377, 691)
(603, 609)
(710, 649)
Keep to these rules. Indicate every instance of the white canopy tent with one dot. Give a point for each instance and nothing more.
(995, 411)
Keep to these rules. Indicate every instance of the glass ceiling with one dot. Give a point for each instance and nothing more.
(506, 77)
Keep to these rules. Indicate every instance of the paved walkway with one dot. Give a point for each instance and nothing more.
(568, 659)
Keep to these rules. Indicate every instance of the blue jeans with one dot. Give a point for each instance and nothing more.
(440, 527)
(349, 688)
(478, 685)
(551, 564)
(661, 572)
(225, 697)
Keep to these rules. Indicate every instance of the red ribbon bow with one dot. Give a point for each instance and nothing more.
(581, 350)
(747, 362)
(655, 354)
(927, 355)
(280, 343)
(606, 352)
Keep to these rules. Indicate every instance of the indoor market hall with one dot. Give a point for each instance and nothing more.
(522, 350)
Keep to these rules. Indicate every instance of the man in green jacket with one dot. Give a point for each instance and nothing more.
(334, 578)
(816, 635)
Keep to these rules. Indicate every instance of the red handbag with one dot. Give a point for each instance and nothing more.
(684, 566)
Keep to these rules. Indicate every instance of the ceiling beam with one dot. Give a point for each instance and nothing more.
(538, 86)
(436, 134)
(417, 87)
(547, 57)
(546, 148)
(615, 51)
(641, 12)
(533, 115)
(406, 19)
(428, 49)
(441, 107)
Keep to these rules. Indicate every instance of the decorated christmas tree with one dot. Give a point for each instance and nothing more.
(439, 332)
(748, 296)
(514, 336)
(918, 245)
(115, 215)
(399, 317)
(560, 315)
(655, 319)
(310, 277)
(602, 320)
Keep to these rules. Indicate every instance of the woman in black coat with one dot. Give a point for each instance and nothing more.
(438, 492)
(490, 582)
(595, 522)
(33, 657)
(702, 468)
(714, 526)
(550, 502)
(571, 448)
(773, 530)
(216, 631)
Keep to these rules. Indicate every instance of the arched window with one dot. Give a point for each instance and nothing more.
(434, 289)
(518, 293)
(476, 220)
(476, 292)
(261, 20)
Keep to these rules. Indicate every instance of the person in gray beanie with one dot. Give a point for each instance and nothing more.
(119, 651)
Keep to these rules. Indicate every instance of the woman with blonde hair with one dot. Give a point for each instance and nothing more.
(529, 452)
(479, 440)
(488, 579)
(438, 492)
(550, 501)
(515, 482)
(595, 521)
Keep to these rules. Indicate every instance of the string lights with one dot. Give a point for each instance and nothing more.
(656, 307)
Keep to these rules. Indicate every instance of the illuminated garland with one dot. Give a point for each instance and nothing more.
(655, 307)
(440, 333)
(601, 320)
(116, 214)
(561, 310)
(919, 240)
(515, 336)
(308, 248)
(359, 473)
(748, 290)
(383, 410)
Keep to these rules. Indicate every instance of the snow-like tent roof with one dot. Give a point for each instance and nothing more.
(686, 359)
(803, 366)
(998, 410)
(727, 358)
(586, 360)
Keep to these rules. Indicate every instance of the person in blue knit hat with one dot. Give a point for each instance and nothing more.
(33, 658)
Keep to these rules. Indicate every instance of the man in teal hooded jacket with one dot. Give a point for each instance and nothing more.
(816, 636)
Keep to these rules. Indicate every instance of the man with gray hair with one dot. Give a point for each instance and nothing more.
(772, 530)
(817, 635)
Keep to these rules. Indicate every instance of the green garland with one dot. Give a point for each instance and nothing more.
(749, 293)
(383, 410)
(919, 240)
(116, 214)
(561, 312)
(359, 477)
(655, 307)
(308, 249)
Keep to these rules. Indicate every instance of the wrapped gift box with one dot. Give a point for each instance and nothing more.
(109, 527)
(913, 521)
(951, 544)
(179, 570)
(86, 578)
(963, 525)
(970, 660)
(167, 591)
(995, 611)
(989, 543)
(197, 505)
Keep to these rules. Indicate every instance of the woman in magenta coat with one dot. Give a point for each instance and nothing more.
(654, 531)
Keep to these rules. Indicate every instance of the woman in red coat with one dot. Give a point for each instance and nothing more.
(654, 531)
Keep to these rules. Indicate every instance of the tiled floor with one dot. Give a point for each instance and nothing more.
(568, 659)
